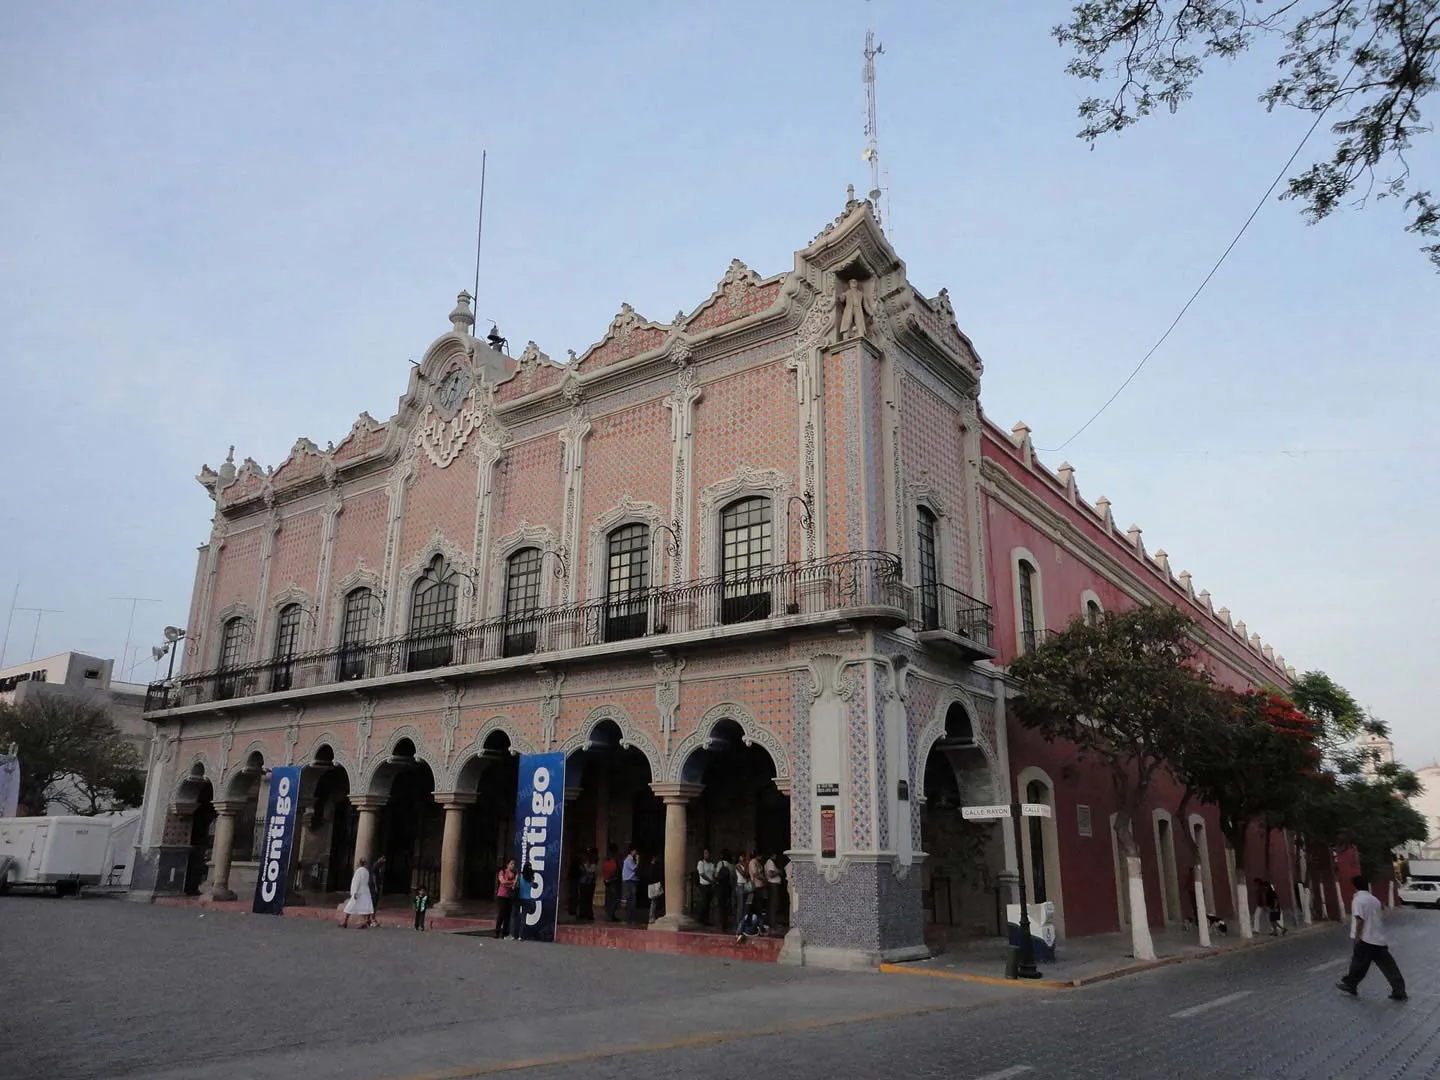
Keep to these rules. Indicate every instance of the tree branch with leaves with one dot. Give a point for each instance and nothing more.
(1371, 63)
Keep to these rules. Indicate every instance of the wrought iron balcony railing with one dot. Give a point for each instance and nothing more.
(939, 607)
(837, 583)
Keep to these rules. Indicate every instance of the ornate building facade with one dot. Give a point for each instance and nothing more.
(739, 567)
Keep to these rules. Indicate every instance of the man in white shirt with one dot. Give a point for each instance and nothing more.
(774, 888)
(1371, 945)
(705, 872)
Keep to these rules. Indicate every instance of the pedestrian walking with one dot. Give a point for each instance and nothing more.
(1272, 905)
(610, 876)
(360, 902)
(705, 887)
(505, 882)
(629, 882)
(1371, 944)
(524, 899)
(421, 904)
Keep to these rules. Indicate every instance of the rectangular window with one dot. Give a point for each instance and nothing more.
(287, 640)
(746, 534)
(522, 600)
(232, 640)
(354, 634)
(1027, 605)
(627, 579)
(929, 577)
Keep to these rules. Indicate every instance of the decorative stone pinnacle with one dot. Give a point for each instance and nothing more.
(462, 318)
(1135, 533)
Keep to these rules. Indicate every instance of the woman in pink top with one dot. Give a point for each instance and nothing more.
(504, 898)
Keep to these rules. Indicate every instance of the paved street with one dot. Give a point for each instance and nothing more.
(100, 988)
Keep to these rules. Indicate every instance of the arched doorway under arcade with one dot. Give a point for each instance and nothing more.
(408, 824)
(609, 800)
(482, 809)
(325, 846)
(964, 860)
(738, 809)
(192, 823)
(233, 869)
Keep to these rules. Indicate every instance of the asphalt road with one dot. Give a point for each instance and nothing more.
(103, 988)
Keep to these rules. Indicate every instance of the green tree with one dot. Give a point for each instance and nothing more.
(1369, 64)
(1251, 767)
(1123, 690)
(70, 753)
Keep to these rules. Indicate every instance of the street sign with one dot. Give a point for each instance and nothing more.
(985, 813)
(1034, 809)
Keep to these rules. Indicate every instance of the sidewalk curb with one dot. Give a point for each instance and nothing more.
(1100, 976)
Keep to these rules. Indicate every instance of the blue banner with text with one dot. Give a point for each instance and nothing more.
(539, 818)
(280, 815)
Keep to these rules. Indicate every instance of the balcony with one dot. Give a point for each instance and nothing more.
(950, 617)
(857, 585)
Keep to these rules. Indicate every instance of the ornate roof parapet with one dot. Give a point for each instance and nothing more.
(1162, 559)
(1290, 672)
(1186, 585)
(1066, 476)
(1136, 536)
(1223, 614)
(1269, 653)
(1203, 598)
(1102, 508)
(1240, 630)
(1255, 642)
(1020, 436)
(462, 319)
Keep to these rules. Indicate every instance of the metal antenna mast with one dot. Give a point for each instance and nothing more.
(479, 232)
(40, 613)
(872, 147)
(135, 601)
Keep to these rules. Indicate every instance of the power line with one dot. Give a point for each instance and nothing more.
(1206, 281)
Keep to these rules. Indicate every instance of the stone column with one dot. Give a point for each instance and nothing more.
(220, 854)
(452, 851)
(677, 797)
(365, 828)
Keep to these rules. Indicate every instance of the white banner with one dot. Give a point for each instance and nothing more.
(9, 785)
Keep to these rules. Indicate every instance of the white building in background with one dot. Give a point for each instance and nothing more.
(89, 678)
(1427, 803)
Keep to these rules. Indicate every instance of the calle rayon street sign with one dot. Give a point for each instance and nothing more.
(1002, 810)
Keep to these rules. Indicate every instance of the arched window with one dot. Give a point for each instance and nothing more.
(1036, 792)
(287, 641)
(929, 576)
(522, 600)
(355, 632)
(746, 535)
(432, 617)
(627, 576)
(1093, 612)
(232, 642)
(1026, 573)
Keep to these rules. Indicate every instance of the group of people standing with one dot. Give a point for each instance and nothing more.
(750, 887)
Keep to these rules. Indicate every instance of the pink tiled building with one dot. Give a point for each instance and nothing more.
(739, 567)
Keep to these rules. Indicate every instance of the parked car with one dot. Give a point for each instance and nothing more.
(1421, 893)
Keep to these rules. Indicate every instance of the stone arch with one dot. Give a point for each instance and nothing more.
(244, 767)
(476, 747)
(337, 756)
(631, 736)
(934, 731)
(754, 734)
(189, 776)
(424, 755)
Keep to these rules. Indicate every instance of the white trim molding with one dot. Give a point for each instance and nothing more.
(628, 511)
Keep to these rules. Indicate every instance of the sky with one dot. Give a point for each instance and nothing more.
(235, 224)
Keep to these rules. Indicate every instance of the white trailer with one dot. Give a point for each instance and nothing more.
(61, 853)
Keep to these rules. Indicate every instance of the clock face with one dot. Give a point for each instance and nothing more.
(452, 391)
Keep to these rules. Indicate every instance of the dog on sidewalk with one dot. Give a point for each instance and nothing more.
(1217, 924)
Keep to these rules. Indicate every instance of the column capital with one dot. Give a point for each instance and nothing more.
(230, 807)
(456, 800)
(368, 802)
(678, 793)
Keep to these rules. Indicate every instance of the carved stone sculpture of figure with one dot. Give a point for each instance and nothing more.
(854, 307)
